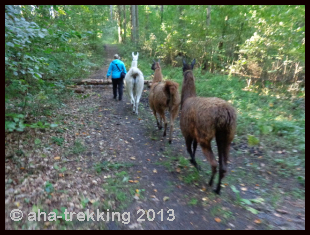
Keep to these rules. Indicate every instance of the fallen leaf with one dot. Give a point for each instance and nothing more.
(148, 159)
(136, 181)
(155, 171)
(217, 219)
(155, 190)
(132, 158)
(178, 170)
(153, 196)
(137, 190)
(205, 199)
(57, 158)
(257, 221)
(165, 198)
(22, 168)
(79, 168)
(244, 189)
(130, 181)
(61, 175)
(138, 171)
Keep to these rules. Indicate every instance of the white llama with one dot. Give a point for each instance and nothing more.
(134, 83)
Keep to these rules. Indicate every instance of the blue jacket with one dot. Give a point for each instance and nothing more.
(116, 73)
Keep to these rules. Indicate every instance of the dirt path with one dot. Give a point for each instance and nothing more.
(140, 139)
(151, 174)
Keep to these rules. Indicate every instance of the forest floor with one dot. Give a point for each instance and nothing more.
(103, 157)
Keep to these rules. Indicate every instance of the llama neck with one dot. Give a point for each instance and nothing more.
(157, 75)
(134, 64)
(188, 88)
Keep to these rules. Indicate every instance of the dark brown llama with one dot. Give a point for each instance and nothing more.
(164, 95)
(201, 120)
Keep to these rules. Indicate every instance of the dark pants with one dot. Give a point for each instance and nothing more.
(118, 85)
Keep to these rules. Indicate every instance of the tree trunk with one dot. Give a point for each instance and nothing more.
(147, 19)
(98, 81)
(124, 22)
(137, 25)
(120, 35)
(111, 10)
(133, 23)
(162, 13)
(208, 15)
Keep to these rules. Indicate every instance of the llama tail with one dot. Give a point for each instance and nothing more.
(171, 90)
(135, 72)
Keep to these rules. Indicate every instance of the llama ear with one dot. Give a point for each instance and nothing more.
(133, 54)
(193, 63)
(137, 53)
(184, 62)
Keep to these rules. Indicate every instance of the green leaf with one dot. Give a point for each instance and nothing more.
(257, 200)
(10, 126)
(252, 140)
(37, 141)
(55, 166)
(254, 211)
(246, 201)
(234, 189)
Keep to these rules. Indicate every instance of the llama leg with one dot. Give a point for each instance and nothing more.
(154, 112)
(137, 101)
(162, 115)
(137, 105)
(223, 145)
(194, 146)
(188, 142)
(206, 148)
(173, 114)
(171, 130)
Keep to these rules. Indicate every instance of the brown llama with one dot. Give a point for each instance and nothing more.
(164, 95)
(201, 120)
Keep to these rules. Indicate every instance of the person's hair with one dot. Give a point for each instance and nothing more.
(116, 56)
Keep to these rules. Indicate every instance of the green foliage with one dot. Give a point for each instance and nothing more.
(252, 140)
(45, 47)
(57, 140)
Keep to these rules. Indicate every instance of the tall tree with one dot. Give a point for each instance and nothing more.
(133, 23)
(208, 15)
(137, 24)
(120, 33)
(124, 23)
(111, 11)
(162, 13)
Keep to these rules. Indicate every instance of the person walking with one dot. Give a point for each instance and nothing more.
(116, 67)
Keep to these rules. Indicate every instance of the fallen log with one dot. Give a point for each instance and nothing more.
(99, 81)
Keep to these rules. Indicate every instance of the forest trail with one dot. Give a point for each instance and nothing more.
(138, 138)
(118, 139)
